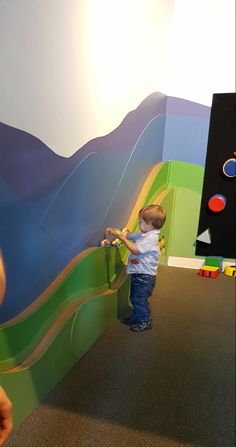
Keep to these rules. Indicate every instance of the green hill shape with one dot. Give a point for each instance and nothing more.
(39, 346)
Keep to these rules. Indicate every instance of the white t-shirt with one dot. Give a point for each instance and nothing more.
(147, 260)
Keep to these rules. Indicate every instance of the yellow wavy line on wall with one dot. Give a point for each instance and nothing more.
(160, 197)
(143, 194)
(49, 290)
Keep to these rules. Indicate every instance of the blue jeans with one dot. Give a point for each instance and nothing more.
(141, 289)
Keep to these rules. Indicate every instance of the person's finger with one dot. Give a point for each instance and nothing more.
(2, 279)
(6, 423)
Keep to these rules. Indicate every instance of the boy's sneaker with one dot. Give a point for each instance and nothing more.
(139, 327)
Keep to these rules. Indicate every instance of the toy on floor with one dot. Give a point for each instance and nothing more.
(214, 261)
(209, 271)
(212, 267)
(230, 270)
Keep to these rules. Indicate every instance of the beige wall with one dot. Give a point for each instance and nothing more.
(72, 69)
(202, 50)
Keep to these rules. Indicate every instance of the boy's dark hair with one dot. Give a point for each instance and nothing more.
(153, 214)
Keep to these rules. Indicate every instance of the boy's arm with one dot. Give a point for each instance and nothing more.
(129, 244)
(113, 231)
(122, 236)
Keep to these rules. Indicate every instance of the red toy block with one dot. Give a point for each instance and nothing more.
(209, 271)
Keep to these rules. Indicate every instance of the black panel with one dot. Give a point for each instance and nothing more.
(221, 146)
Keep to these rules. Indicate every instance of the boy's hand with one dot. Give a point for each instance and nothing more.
(125, 232)
(114, 232)
(5, 416)
(110, 230)
(122, 235)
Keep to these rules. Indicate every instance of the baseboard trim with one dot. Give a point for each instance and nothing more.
(191, 263)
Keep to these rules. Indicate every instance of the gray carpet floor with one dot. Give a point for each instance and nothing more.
(172, 386)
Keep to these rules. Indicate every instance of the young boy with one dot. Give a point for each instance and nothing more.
(142, 263)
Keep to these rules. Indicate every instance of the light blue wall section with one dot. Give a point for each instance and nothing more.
(186, 131)
(186, 139)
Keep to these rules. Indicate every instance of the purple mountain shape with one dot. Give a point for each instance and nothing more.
(31, 169)
(182, 107)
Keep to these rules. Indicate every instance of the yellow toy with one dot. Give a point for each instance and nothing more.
(118, 232)
(105, 243)
(161, 245)
(230, 270)
(116, 243)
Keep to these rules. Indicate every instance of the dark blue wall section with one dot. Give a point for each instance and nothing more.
(31, 169)
(81, 203)
(146, 154)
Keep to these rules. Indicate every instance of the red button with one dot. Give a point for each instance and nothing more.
(217, 203)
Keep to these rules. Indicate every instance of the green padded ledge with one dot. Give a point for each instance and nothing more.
(93, 274)
(71, 335)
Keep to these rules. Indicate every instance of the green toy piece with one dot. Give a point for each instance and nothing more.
(214, 261)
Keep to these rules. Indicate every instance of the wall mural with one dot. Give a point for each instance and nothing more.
(54, 207)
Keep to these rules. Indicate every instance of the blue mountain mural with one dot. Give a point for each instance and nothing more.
(54, 207)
